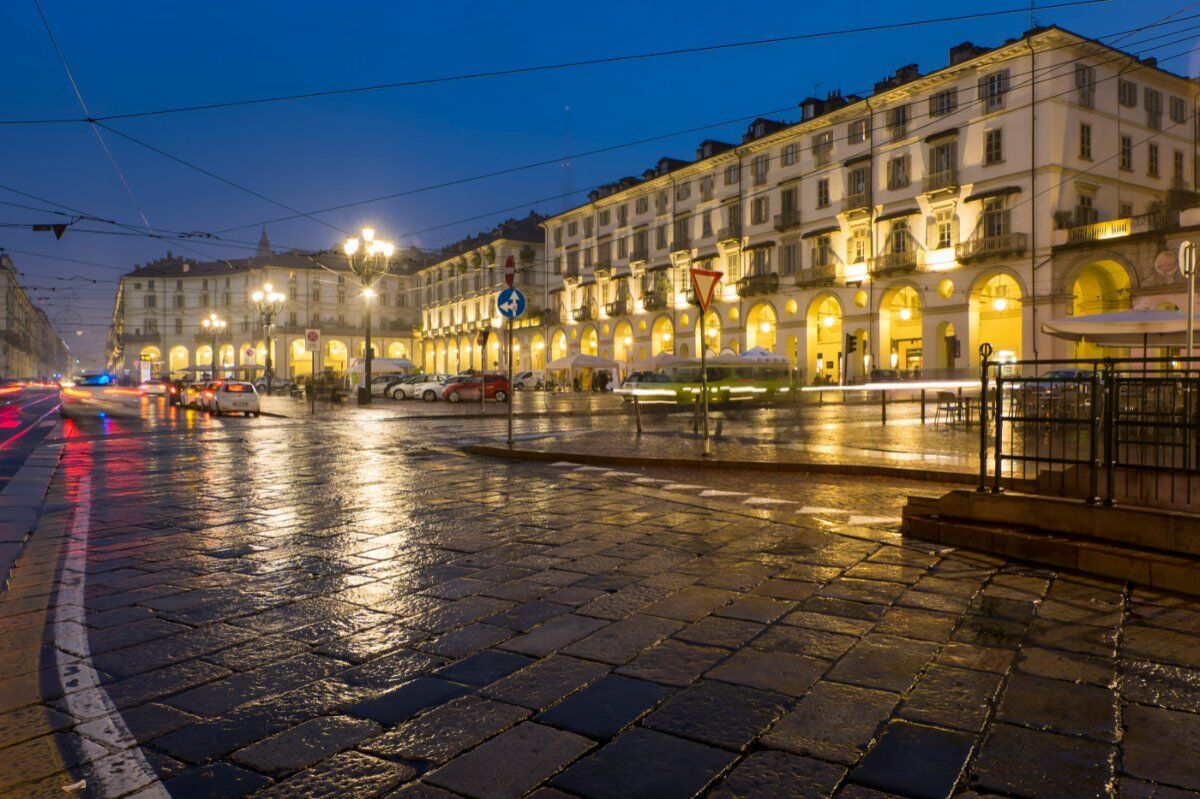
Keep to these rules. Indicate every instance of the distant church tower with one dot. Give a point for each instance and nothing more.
(264, 245)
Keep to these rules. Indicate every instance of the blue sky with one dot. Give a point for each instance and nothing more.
(133, 56)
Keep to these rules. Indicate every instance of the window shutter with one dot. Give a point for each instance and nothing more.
(983, 88)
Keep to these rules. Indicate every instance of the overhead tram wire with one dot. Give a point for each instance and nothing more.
(560, 66)
(631, 143)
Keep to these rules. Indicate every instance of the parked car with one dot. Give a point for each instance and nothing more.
(235, 396)
(381, 383)
(155, 388)
(397, 390)
(428, 389)
(175, 391)
(207, 392)
(190, 396)
(96, 394)
(466, 389)
(278, 385)
(533, 379)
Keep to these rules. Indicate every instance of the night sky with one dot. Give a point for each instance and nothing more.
(316, 153)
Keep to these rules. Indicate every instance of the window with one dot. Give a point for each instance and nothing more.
(622, 215)
(706, 228)
(292, 318)
(943, 103)
(151, 325)
(823, 193)
(178, 327)
(760, 261)
(992, 90)
(1125, 155)
(822, 251)
(1125, 210)
(1177, 173)
(898, 236)
(943, 159)
(1085, 85)
(572, 228)
(1152, 160)
(732, 174)
(789, 259)
(790, 155)
(1127, 92)
(587, 226)
(994, 220)
(760, 210)
(151, 301)
(623, 247)
(1178, 110)
(993, 146)
(683, 190)
(787, 200)
(641, 205)
(316, 292)
(897, 122)
(660, 202)
(1153, 100)
(660, 237)
(734, 216)
(1085, 141)
(178, 301)
(682, 226)
(558, 236)
(706, 187)
(605, 216)
(943, 228)
(1085, 208)
(856, 183)
(759, 167)
(822, 147)
(859, 246)
(178, 285)
(859, 130)
(898, 172)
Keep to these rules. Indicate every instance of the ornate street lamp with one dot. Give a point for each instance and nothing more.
(214, 325)
(368, 258)
(269, 303)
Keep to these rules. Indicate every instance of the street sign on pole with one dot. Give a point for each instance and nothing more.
(312, 340)
(704, 283)
(1187, 265)
(248, 355)
(510, 271)
(511, 303)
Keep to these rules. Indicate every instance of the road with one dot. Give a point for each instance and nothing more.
(278, 607)
(26, 416)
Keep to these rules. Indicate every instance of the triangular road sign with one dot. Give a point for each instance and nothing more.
(704, 283)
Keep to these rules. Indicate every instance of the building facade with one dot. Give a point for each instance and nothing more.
(160, 308)
(458, 300)
(900, 230)
(29, 346)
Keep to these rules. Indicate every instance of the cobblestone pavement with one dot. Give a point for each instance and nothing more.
(281, 609)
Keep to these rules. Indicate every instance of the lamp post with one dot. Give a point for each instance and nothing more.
(269, 303)
(368, 259)
(214, 325)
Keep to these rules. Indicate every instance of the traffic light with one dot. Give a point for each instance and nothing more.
(851, 343)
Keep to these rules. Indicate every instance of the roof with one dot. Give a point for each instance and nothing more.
(406, 261)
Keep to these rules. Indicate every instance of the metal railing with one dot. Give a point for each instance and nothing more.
(856, 201)
(730, 232)
(752, 285)
(620, 307)
(1107, 430)
(787, 219)
(817, 274)
(937, 181)
(1116, 228)
(583, 314)
(901, 261)
(991, 246)
(639, 254)
(656, 300)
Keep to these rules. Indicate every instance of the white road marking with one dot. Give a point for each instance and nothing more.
(591, 469)
(713, 492)
(564, 464)
(119, 767)
(874, 520)
(812, 510)
(619, 474)
(681, 487)
(649, 480)
(767, 501)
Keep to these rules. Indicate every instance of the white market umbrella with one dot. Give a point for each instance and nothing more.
(760, 355)
(581, 361)
(1122, 329)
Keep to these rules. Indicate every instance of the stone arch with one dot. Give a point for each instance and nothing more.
(589, 340)
(995, 300)
(204, 358)
(1098, 286)
(337, 355)
(558, 345)
(824, 321)
(1108, 258)
(537, 352)
(711, 332)
(299, 359)
(177, 359)
(900, 328)
(623, 343)
(762, 326)
(662, 335)
(397, 349)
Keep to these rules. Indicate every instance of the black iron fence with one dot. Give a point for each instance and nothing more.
(1105, 430)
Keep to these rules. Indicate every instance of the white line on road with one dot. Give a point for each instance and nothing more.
(811, 510)
(120, 768)
(716, 492)
(874, 520)
(767, 501)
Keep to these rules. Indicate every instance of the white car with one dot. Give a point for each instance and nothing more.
(97, 394)
(234, 396)
(429, 388)
(154, 388)
(381, 383)
(534, 379)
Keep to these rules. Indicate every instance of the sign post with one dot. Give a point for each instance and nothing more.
(312, 343)
(511, 304)
(704, 282)
(1187, 265)
(482, 338)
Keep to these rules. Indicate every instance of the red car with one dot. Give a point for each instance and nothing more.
(467, 389)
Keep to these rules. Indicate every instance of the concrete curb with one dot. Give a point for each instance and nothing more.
(22, 498)
(791, 467)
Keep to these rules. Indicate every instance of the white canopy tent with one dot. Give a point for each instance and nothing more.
(581, 361)
(1141, 329)
(664, 360)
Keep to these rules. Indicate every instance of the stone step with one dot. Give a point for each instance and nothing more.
(1160, 570)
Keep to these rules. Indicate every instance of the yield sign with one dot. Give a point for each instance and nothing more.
(704, 282)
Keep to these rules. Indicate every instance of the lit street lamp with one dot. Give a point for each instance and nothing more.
(269, 303)
(368, 259)
(214, 325)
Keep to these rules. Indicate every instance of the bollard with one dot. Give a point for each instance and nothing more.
(883, 404)
(637, 412)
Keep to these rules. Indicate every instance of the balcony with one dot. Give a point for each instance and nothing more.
(138, 337)
(890, 263)
(818, 275)
(946, 180)
(225, 337)
(1002, 245)
(571, 271)
(1116, 228)
(621, 307)
(583, 314)
(656, 301)
(858, 201)
(639, 254)
(787, 220)
(730, 233)
(682, 243)
(753, 285)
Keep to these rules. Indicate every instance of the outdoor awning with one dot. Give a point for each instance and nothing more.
(1122, 329)
(858, 159)
(664, 360)
(820, 231)
(581, 361)
(942, 134)
(754, 355)
(988, 193)
(658, 267)
(897, 214)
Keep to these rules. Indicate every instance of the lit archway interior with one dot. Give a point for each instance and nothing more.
(623, 343)
(558, 346)
(711, 333)
(440, 365)
(154, 356)
(397, 350)
(204, 355)
(225, 355)
(996, 317)
(178, 359)
(762, 327)
(300, 361)
(1100, 287)
(823, 362)
(336, 356)
(493, 350)
(589, 341)
(662, 336)
(537, 352)
(900, 330)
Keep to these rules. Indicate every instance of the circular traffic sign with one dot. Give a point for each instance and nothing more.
(313, 336)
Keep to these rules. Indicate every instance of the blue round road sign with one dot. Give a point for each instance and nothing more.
(511, 303)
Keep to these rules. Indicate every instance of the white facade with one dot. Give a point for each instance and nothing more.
(912, 222)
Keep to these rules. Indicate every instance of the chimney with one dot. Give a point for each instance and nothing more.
(965, 52)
